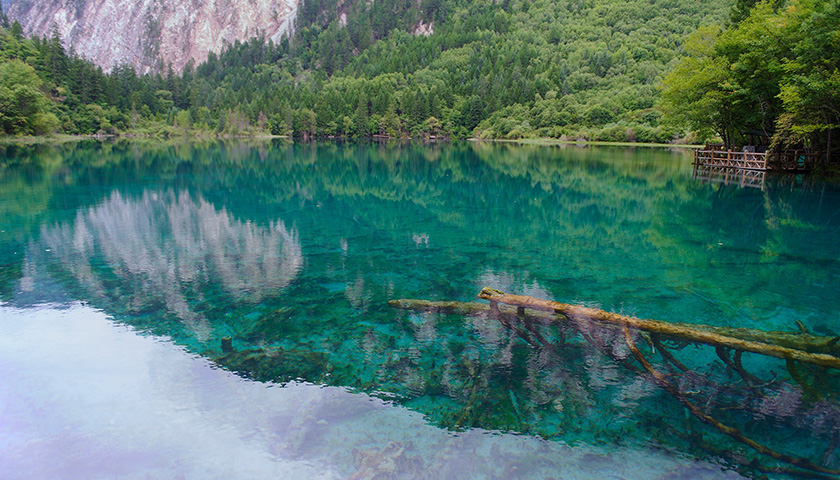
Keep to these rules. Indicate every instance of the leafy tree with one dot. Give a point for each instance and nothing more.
(22, 103)
(755, 57)
(778, 69)
(698, 92)
(810, 91)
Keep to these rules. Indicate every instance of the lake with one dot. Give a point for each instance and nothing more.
(221, 310)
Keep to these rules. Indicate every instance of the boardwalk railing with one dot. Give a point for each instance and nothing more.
(730, 159)
(795, 160)
(787, 160)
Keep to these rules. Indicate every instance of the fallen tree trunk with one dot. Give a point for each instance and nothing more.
(451, 308)
(801, 347)
(692, 333)
(520, 313)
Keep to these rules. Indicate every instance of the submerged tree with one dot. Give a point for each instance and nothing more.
(715, 396)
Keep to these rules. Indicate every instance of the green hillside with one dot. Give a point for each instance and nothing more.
(508, 70)
(513, 69)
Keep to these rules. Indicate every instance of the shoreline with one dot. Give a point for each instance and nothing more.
(31, 140)
(554, 141)
(62, 138)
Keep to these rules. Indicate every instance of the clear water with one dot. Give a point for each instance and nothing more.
(122, 267)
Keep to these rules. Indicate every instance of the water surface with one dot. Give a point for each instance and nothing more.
(293, 251)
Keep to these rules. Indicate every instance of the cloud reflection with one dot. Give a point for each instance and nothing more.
(89, 398)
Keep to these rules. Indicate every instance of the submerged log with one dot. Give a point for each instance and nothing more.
(469, 308)
(764, 343)
(520, 313)
(802, 347)
(734, 433)
(451, 308)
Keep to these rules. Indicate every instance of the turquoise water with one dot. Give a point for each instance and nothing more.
(294, 250)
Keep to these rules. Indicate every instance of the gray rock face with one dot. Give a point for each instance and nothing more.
(151, 34)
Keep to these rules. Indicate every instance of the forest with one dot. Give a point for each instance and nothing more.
(774, 71)
(637, 71)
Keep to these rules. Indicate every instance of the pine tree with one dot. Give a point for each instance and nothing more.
(4, 20)
(57, 58)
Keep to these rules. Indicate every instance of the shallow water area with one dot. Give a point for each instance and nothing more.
(93, 399)
(126, 268)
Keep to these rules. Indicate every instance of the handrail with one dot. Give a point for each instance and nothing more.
(798, 159)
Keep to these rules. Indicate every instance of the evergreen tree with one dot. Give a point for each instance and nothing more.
(4, 20)
(56, 61)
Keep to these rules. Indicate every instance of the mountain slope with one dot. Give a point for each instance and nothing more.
(584, 69)
(508, 69)
(151, 34)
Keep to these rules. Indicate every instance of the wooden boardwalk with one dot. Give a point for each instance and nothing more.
(785, 161)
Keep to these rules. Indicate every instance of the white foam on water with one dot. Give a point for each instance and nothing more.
(82, 396)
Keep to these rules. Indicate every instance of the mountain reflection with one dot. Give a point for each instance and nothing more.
(167, 249)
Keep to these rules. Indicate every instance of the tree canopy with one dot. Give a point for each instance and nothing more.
(22, 103)
(776, 69)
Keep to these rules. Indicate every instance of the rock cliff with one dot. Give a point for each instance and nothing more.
(151, 34)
